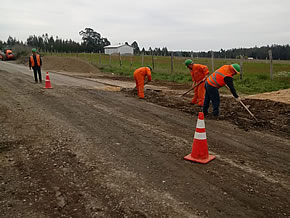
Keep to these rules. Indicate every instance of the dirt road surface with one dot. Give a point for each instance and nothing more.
(79, 150)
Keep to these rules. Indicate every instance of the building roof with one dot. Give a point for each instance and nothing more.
(116, 46)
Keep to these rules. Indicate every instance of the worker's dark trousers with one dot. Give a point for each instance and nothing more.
(37, 70)
(211, 94)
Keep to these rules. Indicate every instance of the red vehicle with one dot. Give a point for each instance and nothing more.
(7, 55)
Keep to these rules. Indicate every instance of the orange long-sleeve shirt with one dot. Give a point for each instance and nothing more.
(143, 72)
(198, 72)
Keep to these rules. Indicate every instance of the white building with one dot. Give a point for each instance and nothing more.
(122, 49)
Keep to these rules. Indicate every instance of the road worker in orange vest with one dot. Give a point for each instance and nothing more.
(221, 77)
(139, 75)
(35, 63)
(199, 73)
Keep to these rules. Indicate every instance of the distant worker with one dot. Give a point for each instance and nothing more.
(221, 77)
(139, 76)
(35, 62)
(199, 73)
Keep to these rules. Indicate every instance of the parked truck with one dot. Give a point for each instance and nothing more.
(7, 55)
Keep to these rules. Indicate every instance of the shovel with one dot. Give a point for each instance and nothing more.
(193, 87)
(242, 103)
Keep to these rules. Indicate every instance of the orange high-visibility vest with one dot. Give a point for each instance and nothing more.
(216, 79)
(37, 60)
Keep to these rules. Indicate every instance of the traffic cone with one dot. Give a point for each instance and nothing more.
(47, 82)
(199, 146)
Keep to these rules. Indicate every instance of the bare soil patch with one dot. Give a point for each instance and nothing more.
(75, 152)
(272, 109)
(272, 116)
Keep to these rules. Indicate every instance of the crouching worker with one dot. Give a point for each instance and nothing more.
(221, 77)
(139, 75)
(199, 73)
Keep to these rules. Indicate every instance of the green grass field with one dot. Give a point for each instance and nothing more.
(256, 73)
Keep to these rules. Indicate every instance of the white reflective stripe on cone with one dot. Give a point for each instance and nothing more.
(200, 124)
(200, 135)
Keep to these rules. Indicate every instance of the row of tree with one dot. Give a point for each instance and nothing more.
(92, 41)
(280, 52)
(157, 51)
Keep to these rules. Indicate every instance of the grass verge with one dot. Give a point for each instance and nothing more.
(256, 73)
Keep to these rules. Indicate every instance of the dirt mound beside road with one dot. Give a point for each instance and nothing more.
(272, 116)
(70, 65)
(281, 96)
(74, 65)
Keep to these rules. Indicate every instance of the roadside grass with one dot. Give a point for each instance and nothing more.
(256, 73)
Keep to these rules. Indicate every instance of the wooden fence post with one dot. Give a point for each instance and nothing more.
(131, 62)
(271, 64)
(241, 65)
(152, 54)
(212, 61)
(171, 62)
(120, 59)
(110, 59)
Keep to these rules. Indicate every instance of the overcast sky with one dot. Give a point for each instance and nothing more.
(197, 25)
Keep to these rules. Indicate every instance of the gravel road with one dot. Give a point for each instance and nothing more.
(78, 150)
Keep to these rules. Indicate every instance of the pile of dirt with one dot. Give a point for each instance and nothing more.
(272, 116)
(75, 65)
(281, 96)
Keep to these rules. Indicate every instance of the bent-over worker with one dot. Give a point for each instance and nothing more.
(198, 73)
(221, 77)
(139, 75)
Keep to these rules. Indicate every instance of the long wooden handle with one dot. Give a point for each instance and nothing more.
(242, 103)
(187, 91)
(192, 88)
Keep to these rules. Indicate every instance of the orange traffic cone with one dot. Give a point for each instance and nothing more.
(199, 146)
(47, 82)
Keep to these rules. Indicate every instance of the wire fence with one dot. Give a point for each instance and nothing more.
(175, 65)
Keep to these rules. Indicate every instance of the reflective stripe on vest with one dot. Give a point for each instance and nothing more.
(213, 79)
